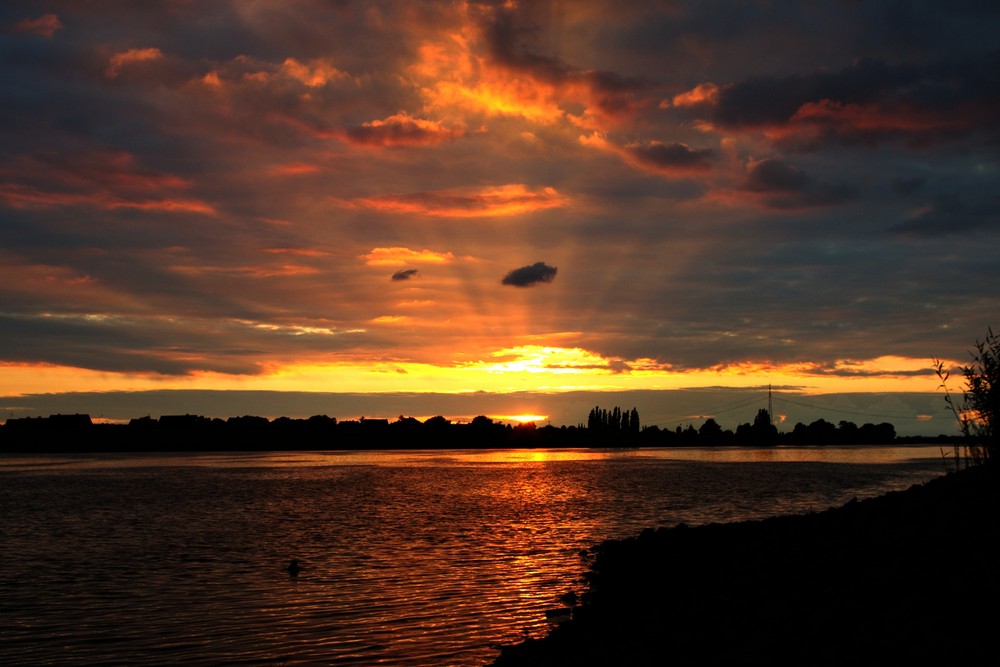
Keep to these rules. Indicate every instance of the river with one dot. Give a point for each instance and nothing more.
(431, 557)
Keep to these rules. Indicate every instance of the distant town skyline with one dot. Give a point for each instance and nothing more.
(472, 198)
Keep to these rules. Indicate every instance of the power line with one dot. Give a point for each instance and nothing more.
(724, 409)
(856, 413)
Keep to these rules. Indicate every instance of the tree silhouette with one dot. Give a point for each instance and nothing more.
(710, 432)
(616, 423)
(978, 411)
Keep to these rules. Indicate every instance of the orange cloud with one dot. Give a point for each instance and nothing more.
(397, 256)
(469, 72)
(245, 73)
(121, 60)
(314, 74)
(390, 319)
(45, 25)
(702, 94)
(402, 130)
(498, 95)
(512, 199)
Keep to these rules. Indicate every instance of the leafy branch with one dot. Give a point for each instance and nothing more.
(978, 410)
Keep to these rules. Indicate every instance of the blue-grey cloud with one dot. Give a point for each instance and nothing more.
(776, 176)
(785, 186)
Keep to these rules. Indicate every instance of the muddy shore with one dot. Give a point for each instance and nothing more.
(908, 576)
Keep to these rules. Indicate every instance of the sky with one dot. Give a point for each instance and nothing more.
(210, 199)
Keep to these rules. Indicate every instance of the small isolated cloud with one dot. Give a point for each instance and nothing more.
(402, 130)
(45, 25)
(121, 60)
(528, 276)
(405, 274)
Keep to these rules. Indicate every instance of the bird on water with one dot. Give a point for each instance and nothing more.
(293, 568)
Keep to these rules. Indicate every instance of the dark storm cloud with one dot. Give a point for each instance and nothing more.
(405, 274)
(869, 102)
(112, 344)
(528, 276)
(785, 186)
(776, 176)
(161, 345)
(772, 101)
(510, 33)
(670, 157)
(908, 186)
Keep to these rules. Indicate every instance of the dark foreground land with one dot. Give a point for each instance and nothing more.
(906, 578)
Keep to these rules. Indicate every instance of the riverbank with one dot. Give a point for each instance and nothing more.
(883, 581)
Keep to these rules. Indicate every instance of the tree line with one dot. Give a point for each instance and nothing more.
(614, 427)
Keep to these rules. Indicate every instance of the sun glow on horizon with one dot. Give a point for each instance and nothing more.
(521, 419)
(520, 368)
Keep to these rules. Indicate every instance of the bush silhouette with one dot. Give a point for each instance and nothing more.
(978, 411)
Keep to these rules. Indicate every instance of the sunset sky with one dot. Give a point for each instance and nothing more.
(454, 197)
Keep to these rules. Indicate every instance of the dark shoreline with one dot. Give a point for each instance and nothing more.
(888, 580)
(77, 433)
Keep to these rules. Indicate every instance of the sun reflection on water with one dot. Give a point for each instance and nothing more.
(408, 557)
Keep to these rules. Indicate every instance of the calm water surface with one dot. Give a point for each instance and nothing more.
(408, 558)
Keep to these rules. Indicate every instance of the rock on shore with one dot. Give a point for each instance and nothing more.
(908, 577)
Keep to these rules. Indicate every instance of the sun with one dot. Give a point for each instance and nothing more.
(523, 419)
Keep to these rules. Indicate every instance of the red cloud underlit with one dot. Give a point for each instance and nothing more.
(402, 130)
(828, 116)
(21, 196)
(45, 25)
(513, 199)
(104, 179)
(293, 169)
(95, 170)
(121, 60)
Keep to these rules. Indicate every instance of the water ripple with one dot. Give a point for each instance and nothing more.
(175, 560)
